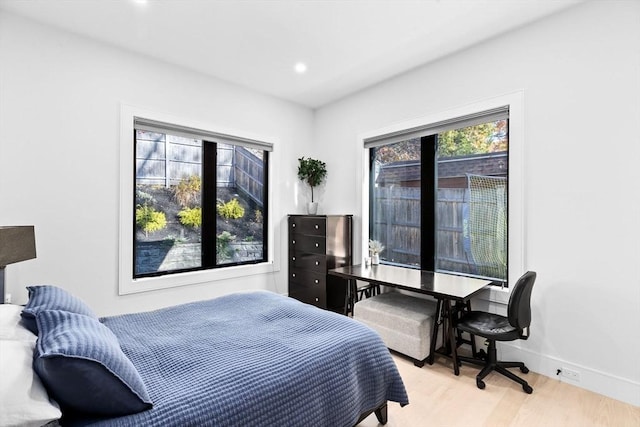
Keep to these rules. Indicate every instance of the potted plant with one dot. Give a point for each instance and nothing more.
(313, 172)
(375, 247)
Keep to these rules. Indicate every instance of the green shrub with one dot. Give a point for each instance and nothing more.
(149, 219)
(223, 248)
(191, 217)
(187, 190)
(144, 198)
(172, 239)
(258, 216)
(230, 210)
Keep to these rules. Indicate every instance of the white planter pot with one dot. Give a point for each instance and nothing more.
(312, 208)
(375, 259)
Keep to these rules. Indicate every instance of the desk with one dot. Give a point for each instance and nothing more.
(446, 288)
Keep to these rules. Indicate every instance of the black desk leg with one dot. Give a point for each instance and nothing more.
(349, 297)
(452, 337)
(437, 321)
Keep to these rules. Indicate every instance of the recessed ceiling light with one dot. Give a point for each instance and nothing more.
(141, 1)
(300, 67)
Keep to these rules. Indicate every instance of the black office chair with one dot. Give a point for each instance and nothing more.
(494, 328)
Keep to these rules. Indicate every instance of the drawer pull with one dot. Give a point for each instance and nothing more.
(293, 241)
(293, 275)
(317, 300)
(316, 281)
(317, 226)
(293, 258)
(293, 226)
(317, 245)
(317, 263)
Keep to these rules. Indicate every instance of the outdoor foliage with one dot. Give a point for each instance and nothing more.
(399, 152)
(191, 217)
(187, 191)
(258, 216)
(223, 248)
(484, 138)
(311, 171)
(231, 209)
(149, 219)
(144, 198)
(188, 228)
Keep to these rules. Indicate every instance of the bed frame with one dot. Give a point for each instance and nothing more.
(381, 414)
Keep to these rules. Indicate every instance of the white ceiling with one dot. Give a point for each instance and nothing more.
(347, 44)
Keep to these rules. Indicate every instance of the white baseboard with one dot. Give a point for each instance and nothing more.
(612, 386)
(618, 388)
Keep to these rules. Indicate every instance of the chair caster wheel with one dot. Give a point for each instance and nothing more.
(527, 389)
(481, 384)
(524, 370)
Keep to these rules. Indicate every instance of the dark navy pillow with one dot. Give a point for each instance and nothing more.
(49, 297)
(81, 364)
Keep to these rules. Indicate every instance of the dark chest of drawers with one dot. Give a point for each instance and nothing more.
(318, 243)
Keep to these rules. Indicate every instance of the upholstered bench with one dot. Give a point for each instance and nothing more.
(404, 322)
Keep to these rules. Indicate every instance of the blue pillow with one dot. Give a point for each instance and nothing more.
(49, 297)
(81, 364)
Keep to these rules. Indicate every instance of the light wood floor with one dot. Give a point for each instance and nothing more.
(439, 398)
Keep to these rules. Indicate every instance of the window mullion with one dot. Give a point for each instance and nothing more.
(428, 179)
(209, 197)
(265, 198)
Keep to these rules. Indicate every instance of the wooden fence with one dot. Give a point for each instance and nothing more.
(249, 174)
(396, 223)
(166, 160)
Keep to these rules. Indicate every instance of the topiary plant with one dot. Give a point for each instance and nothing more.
(149, 219)
(230, 210)
(311, 171)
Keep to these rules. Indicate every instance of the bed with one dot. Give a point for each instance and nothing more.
(245, 359)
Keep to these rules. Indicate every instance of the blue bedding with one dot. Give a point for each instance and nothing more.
(253, 359)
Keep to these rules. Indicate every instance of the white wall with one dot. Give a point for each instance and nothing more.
(579, 73)
(60, 98)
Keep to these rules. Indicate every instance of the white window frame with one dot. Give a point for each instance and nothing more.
(516, 177)
(126, 282)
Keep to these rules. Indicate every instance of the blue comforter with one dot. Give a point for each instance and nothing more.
(253, 359)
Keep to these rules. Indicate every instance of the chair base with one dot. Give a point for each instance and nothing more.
(491, 363)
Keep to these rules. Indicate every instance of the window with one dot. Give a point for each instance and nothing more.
(199, 200)
(438, 195)
(207, 139)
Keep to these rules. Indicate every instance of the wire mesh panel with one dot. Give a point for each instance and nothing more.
(486, 227)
